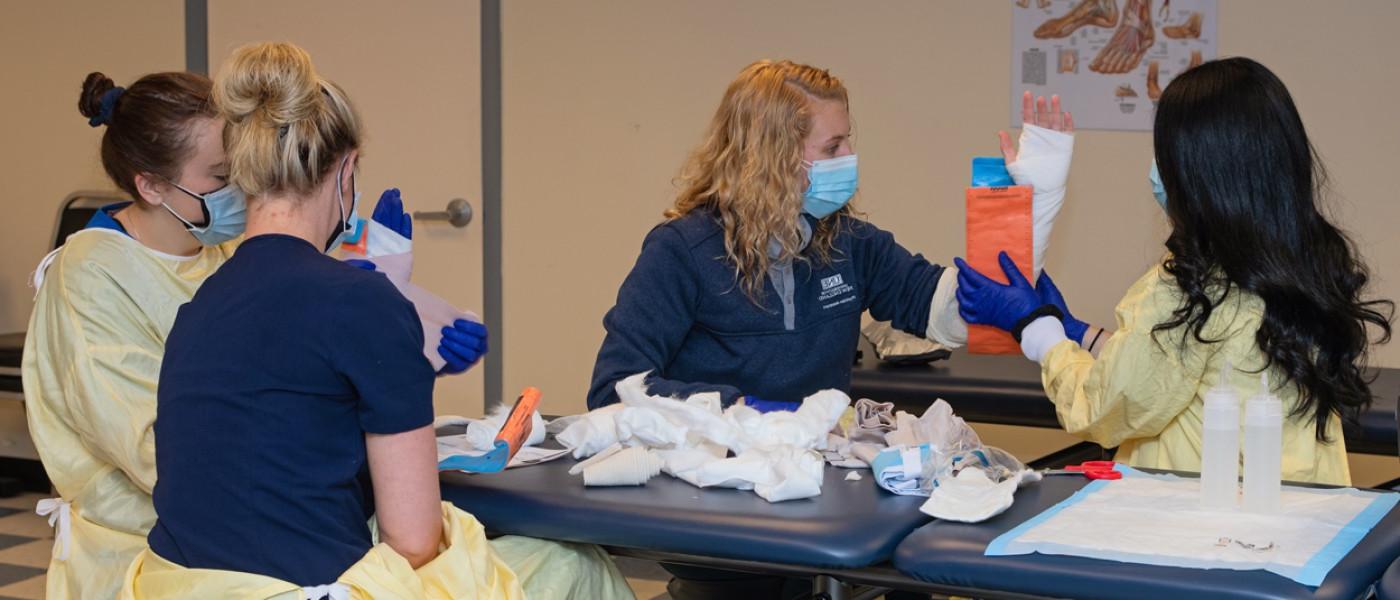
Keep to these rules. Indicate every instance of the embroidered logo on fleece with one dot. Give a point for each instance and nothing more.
(835, 287)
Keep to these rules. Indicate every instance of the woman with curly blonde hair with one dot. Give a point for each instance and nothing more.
(754, 285)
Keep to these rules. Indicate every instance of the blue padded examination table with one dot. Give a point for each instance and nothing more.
(1006, 390)
(1389, 586)
(852, 524)
(950, 556)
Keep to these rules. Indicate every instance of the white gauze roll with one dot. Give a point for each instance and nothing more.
(632, 466)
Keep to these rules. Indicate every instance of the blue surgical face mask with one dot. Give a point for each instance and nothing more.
(1154, 178)
(832, 182)
(347, 222)
(227, 209)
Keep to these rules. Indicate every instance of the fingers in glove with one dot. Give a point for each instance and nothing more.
(1013, 274)
(967, 308)
(454, 363)
(362, 264)
(969, 277)
(389, 209)
(476, 342)
(462, 352)
(469, 326)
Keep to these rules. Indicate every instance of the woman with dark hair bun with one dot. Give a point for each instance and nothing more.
(1256, 280)
(105, 304)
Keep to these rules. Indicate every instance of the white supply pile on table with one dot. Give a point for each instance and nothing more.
(778, 455)
(936, 454)
(774, 454)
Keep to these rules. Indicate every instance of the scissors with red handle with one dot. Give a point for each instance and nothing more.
(1093, 469)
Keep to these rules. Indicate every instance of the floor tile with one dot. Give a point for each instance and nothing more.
(27, 525)
(32, 553)
(28, 589)
(23, 502)
(11, 574)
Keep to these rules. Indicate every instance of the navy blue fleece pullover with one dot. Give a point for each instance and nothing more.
(681, 314)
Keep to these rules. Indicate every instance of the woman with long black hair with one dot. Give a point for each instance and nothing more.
(1256, 277)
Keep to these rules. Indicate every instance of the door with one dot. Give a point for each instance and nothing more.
(413, 71)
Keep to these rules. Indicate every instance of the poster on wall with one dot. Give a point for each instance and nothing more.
(1109, 60)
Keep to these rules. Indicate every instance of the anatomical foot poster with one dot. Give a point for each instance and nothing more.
(1109, 60)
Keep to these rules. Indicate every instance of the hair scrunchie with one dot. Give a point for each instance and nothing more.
(107, 106)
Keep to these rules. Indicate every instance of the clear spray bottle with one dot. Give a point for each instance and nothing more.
(1220, 445)
(1263, 450)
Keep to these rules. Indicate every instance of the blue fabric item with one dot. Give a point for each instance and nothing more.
(766, 406)
(1351, 534)
(897, 473)
(990, 171)
(680, 315)
(273, 373)
(106, 106)
(1312, 573)
(103, 219)
(951, 554)
(998, 546)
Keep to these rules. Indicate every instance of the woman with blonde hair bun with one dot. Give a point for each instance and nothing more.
(290, 372)
(754, 284)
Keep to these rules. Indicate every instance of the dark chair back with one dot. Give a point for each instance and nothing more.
(77, 209)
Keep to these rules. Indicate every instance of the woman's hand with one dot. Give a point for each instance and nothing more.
(983, 301)
(462, 346)
(1037, 112)
(389, 213)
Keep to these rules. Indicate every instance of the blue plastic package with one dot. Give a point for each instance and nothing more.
(990, 171)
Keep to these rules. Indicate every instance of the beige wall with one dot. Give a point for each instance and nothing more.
(603, 100)
(46, 48)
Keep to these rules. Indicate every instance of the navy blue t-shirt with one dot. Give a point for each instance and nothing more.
(273, 373)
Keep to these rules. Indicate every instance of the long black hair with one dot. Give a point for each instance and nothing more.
(1243, 187)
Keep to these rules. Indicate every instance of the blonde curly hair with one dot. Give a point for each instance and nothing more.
(748, 170)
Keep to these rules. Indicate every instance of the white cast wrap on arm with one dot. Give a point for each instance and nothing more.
(1040, 336)
(1043, 163)
(945, 325)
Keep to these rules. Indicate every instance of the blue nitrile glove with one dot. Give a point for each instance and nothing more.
(462, 345)
(765, 406)
(389, 213)
(1049, 294)
(360, 263)
(982, 301)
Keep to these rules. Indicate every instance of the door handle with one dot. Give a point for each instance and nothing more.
(458, 213)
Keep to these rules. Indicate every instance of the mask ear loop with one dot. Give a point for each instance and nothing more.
(345, 224)
(203, 207)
